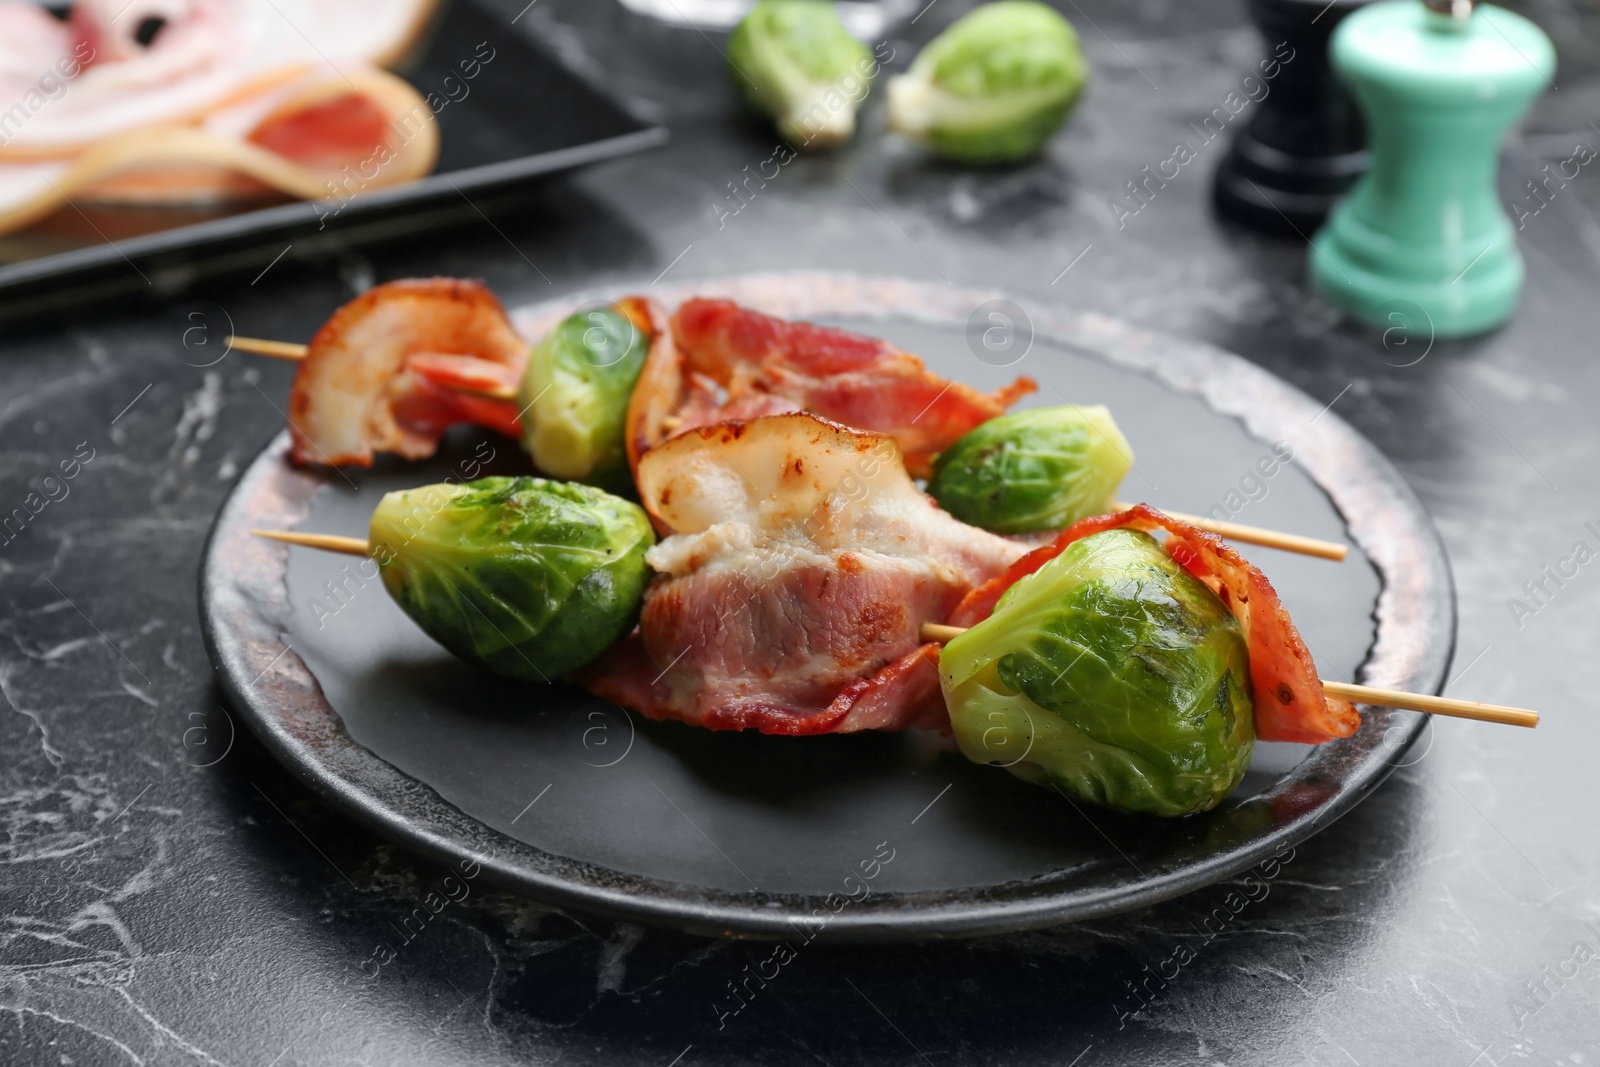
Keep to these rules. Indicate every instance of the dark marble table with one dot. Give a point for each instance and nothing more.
(161, 911)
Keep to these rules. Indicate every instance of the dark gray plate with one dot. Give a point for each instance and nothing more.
(580, 804)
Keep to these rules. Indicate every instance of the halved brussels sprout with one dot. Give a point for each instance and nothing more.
(1042, 469)
(528, 577)
(1112, 674)
(794, 61)
(994, 86)
(574, 395)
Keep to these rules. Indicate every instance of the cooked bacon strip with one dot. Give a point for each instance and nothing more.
(802, 563)
(1289, 702)
(903, 695)
(396, 367)
(370, 379)
(467, 374)
(762, 363)
(434, 392)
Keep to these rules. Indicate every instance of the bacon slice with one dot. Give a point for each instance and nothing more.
(202, 101)
(142, 64)
(1289, 701)
(671, 398)
(801, 565)
(758, 364)
(371, 379)
(326, 133)
(324, 124)
(399, 365)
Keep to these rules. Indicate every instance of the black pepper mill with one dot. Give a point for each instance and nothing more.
(1305, 143)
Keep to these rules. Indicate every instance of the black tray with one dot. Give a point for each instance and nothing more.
(523, 115)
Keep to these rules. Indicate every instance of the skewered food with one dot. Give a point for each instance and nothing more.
(393, 368)
(1027, 471)
(576, 387)
(801, 562)
(1112, 674)
(733, 363)
(993, 87)
(1289, 701)
(739, 365)
(528, 577)
(796, 63)
(798, 588)
(377, 376)
(803, 583)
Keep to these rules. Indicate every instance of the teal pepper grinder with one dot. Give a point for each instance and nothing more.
(1440, 83)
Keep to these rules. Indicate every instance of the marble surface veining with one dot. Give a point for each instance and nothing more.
(169, 895)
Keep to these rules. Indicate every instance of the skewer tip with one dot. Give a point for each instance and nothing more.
(350, 546)
(1357, 694)
(263, 347)
(1255, 535)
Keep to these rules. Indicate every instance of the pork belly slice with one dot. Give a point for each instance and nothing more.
(800, 564)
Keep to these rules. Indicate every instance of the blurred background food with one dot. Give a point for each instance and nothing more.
(794, 61)
(994, 87)
(205, 101)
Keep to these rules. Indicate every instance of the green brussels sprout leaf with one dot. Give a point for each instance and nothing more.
(528, 577)
(1111, 674)
(574, 395)
(993, 87)
(794, 61)
(1041, 469)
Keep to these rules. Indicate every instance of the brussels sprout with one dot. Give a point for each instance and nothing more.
(795, 61)
(575, 391)
(1042, 469)
(994, 86)
(528, 577)
(1111, 674)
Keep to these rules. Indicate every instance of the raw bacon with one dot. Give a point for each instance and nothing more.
(200, 101)
(1289, 701)
(344, 135)
(801, 565)
(146, 63)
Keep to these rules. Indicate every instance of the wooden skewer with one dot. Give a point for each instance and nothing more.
(350, 546)
(1457, 709)
(493, 392)
(1360, 694)
(1255, 535)
(263, 347)
(293, 352)
(932, 631)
